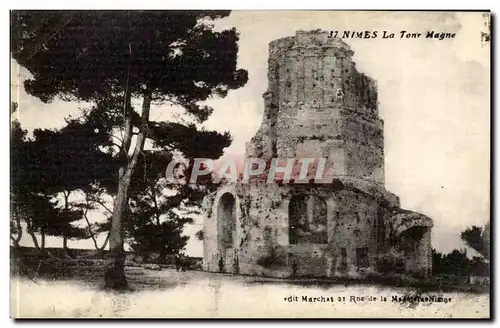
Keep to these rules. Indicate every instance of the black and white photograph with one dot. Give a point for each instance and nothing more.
(250, 164)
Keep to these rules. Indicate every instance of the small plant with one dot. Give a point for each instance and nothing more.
(271, 258)
(391, 262)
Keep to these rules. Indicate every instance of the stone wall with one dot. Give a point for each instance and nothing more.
(317, 106)
(261, 239)
(316, 98)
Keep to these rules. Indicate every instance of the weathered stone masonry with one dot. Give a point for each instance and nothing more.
(317, 105)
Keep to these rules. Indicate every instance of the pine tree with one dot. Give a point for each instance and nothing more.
(160, 57)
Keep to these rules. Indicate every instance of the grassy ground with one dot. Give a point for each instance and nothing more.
(82, 271)
(196, 294)
(53, 287)
(85, 267)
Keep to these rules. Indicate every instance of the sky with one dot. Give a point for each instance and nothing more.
(434, 99)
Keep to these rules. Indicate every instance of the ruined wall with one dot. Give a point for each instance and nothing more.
(262, 240)
(319, 105)
(410, 232)
(356, 228)
(261, 225)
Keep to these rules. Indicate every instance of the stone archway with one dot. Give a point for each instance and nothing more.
(411, 231)
(226, 221)
(307, 217)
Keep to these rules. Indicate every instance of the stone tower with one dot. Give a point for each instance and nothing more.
(317, 106)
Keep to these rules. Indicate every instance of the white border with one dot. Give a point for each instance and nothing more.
(199, 4)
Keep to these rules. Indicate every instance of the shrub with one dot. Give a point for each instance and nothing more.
(391, 262)
(272, 257)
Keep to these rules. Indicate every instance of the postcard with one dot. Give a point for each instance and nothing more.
(250, 164)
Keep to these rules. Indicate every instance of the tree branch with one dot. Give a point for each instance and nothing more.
(153, 197)
(32, 234)
(127, 124)
(90, 228)
(100, 202)
(105, 241)
(146, 107)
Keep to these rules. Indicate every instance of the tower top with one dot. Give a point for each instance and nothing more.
(318, 105)
(319, 39)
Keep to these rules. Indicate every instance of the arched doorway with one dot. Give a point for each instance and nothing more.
(307, 215)
(226, 221)
(411, 233)
(410, 243)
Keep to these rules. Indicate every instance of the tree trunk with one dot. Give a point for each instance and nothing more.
(67, 251)
(15, 242)
(103, 247)
(115, 272)
(89, 227)
(91, 233)
(35, 241)
(19, 228)
(33, 236)
(42, 241)
(65, 237)
(100, 250)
